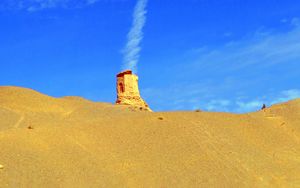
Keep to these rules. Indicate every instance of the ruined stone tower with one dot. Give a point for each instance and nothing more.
(128, 90)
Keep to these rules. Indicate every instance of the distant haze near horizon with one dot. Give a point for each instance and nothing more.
(214, 55)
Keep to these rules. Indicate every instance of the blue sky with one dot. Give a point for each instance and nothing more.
(230, 55)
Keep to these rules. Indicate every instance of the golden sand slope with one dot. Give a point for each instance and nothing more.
(77, 143)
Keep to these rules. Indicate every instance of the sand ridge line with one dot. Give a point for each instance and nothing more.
(79, 144)
(18, 123)
(66, 114)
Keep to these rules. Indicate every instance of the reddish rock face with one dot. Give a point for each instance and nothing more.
(128, 91)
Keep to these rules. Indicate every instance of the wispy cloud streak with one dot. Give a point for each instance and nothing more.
(36, 5)
(240, 76)
(135, 36)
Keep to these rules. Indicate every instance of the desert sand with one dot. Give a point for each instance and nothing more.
(72, 142)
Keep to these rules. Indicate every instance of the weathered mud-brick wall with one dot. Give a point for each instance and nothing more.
(128, 90)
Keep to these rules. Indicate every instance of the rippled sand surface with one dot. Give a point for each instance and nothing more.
(72, 142)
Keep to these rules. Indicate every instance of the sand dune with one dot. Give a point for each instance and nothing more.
(73, 142)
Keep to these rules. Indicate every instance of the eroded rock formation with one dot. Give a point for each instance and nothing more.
(128, 91)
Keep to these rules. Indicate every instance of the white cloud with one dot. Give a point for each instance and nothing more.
(248, 106)
(251, 66)
(295, 21)
(272, 98)
(191, 97)
(286, 96)
(217, 105)
(135, 36)
(36, 5)
(264, 49)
